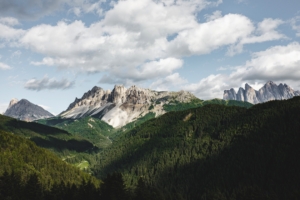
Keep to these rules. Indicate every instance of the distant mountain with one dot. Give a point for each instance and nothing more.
(270, 91)
(26, 111)
(122, 106)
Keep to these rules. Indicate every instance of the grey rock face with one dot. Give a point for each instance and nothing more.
(121, 106)
(26, 111)
(270, 91)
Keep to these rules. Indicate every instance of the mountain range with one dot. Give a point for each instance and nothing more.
(125, 105)
(122, 106)
(270, 91)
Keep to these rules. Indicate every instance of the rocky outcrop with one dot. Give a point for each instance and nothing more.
(121, 106)
(26, 111)
(270, 91)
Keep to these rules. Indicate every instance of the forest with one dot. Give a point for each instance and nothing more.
(211, 151)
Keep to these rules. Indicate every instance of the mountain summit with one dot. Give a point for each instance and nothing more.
(26, 111)
(270, 91)
(121, 105)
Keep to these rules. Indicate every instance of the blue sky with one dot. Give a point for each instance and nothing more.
(52, 51)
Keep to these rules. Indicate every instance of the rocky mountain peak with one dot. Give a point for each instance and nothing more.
(13, 102)
(122, 105)
(118, 94)
(248, 87)
(270, 83)
(27, 111)
(270, 91)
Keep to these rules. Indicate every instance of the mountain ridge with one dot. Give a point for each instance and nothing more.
(121, 105)
(270, 91)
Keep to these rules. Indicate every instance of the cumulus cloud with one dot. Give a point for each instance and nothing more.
(132, 41)
(149, 70)
(275, 63)
(168, 82)
(232, 29)
(278, 63)
(47, 83)
(4, 66)
(206, 37)
(9, 33)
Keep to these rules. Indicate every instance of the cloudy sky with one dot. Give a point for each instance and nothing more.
(52, 51)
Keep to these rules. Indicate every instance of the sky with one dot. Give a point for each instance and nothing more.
(52, 51)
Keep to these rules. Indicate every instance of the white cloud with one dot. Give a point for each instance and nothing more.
(76, 11)
(275, 63)
(232, 29)
(45, 107)
(10, 21)
(82, 7)
(126, 38)
(149, 70)
(4, 66)
(134, 34)
(215, 15)
(16, 54)
(278, 63)
(265, 32)
(9, 33)
(206, 37)
(46, 83)
(295, 22)
(168, 82)
(159, 68)
(209, 87)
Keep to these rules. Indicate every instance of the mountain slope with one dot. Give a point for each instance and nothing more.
(44, 136)
(270, 91)
(92, 129)
(213, 152)
(26, 111)
(24, 158)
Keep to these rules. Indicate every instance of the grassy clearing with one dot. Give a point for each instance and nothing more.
(82, 165)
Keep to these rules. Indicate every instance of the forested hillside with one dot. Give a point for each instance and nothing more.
(45, 136)
(92, 129)
(213, 152)
(22, 162)
(195, 103)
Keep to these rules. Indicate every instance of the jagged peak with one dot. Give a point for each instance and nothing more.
(12, 102)
(269, 91)
(270, 83)
(95, 88)
(247, 86)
